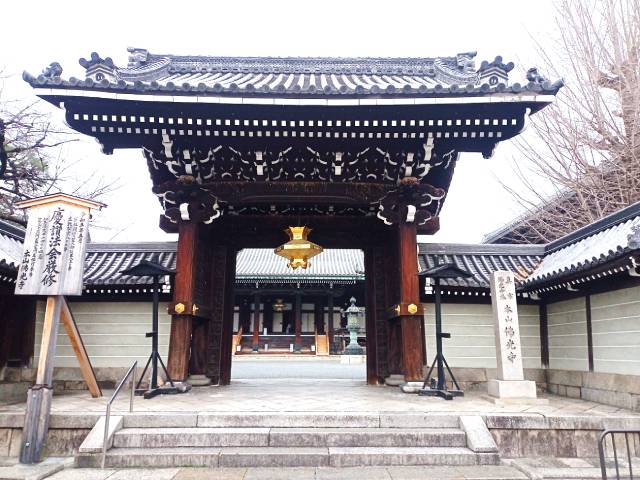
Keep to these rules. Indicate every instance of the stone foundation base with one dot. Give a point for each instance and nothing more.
(198, 380)
(394, 380)
(512, 389)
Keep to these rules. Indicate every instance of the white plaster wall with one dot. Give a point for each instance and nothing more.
(113, 333)
(615, 322)
(567, 322)
(472, 342)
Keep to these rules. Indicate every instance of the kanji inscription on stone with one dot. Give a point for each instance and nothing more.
(506, 327)
(54, 251)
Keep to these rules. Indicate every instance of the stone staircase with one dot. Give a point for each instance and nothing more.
(295, 440)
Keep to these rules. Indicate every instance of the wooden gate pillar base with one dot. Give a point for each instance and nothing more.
(179, 347)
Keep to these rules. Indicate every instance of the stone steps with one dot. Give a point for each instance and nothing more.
(291, 439)
(286, 457)
(288, 437)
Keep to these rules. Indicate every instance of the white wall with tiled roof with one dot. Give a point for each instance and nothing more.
(567, 323)
(113, 333)
(615, 319)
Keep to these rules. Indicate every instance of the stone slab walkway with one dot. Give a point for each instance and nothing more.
(326, 395)
(515, 469)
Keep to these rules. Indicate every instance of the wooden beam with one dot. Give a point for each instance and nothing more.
(50, 325)
(88, 374)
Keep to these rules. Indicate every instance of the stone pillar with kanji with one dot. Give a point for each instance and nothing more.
(510, 382)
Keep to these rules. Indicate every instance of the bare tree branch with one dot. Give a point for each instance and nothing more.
(35, 164)
(587, 145)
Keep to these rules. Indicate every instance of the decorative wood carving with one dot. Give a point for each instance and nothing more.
(411, 202)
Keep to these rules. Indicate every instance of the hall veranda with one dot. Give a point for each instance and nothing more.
(362, 151)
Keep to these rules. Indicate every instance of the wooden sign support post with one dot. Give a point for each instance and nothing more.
(52, 265)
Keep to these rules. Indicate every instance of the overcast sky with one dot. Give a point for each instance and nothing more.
(40, 32)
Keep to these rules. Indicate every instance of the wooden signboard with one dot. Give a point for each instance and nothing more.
(52, 265)
(54, 245)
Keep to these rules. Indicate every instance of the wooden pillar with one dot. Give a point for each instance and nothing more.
(36, 421)
(390, 280)
(255, 340)
(544, 336)
(226, 355)
(181, 325)
(267, 315)
(318, 316)
(410, 311)
(297, 322)
(330, 318)
(372, 313)
(587, 309)
(244, 315)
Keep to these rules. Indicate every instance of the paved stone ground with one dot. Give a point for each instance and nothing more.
(249, 367)
(516, 469)
(317, 395)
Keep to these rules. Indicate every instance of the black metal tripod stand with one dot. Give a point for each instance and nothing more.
(155, 357)
(155, 270)
(431, 387)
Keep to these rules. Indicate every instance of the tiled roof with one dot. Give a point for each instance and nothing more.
(11, 238)
(603, 241)
(480, 261)
(295, 76)
(259, 264)
(105, 261)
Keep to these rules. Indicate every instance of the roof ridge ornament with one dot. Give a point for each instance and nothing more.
(98, 69)
(495, 72)
(137, 56)
(54, 70)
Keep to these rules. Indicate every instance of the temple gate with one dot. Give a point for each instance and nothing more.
(360, 150)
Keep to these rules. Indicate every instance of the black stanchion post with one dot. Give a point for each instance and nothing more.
(154, 270)
(440, 388)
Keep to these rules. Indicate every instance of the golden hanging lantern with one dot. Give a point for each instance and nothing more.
(279, 305)
(298, 250)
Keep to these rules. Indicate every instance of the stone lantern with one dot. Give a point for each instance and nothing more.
(353, 325)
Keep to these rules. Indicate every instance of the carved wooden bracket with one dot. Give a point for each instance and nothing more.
(411, 202)
(184, 200)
